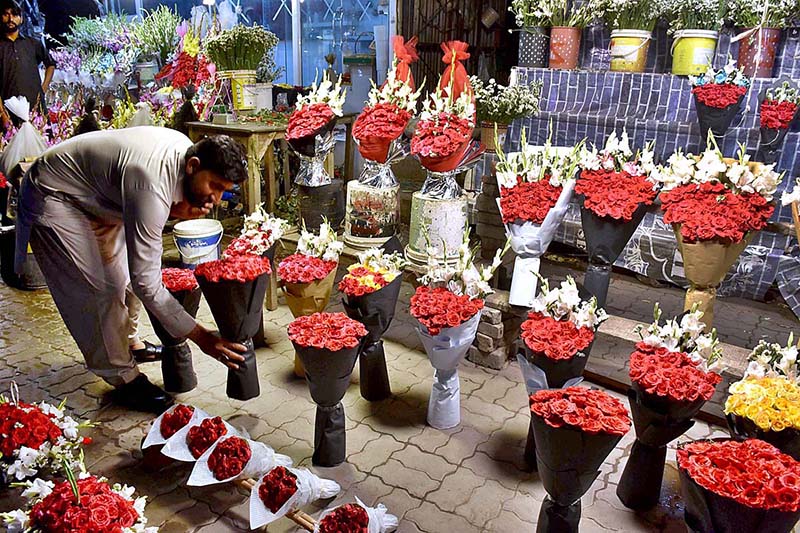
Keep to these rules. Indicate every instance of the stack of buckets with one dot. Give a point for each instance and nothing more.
(198, 241)
(692, 50)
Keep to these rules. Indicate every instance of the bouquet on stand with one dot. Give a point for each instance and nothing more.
(82, 503)
(778, 110)
(674, 371)
(714, 205)
(235, 288)
(234, 457)
(615, 187)
(448, 306)
(328, 345)
(718, 95)
(370, 289)
(558, 337)
(575, 430)
(356, 517)
(309, 274)
(763, 404)
(536, 187)
(284, 489)
(176, 360)
(738, 487)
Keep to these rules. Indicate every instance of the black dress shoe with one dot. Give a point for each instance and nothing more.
(149, 354)
(141, 395)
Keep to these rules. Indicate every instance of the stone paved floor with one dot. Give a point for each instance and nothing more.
(470, 478)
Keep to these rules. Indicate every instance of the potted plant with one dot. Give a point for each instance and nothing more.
(694, 25)
(761, 23)
(632, 23)
(566, 25)
(498, 105)
(533, 19)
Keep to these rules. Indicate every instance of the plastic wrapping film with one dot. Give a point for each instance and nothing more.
(310, 488)
(154, 437)
(176, 446)
(443, 185)
(380, 175)
(262, 459)
(312, 171)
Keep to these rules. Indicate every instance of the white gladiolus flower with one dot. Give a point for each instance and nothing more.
(38, 489)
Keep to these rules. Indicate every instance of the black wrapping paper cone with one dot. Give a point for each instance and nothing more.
(530, 448)
(605, 238)
(373, 374)
(328, 376)
(393, 245)
(243, 382)
(259, 341)
(177, 368)
(707, 512)
(787, 440)
(715, 119)
(558, 371)
(770, 144)
(307, 145)
(555, 518)
(190, 301)
(236, 306)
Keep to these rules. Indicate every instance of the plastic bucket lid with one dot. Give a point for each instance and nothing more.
(641, 34)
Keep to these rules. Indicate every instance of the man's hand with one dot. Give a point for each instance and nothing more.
(226, 352)
(183, 210)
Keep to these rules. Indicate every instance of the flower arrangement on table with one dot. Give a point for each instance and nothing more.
(674, 370)
(83, 504)
(763, 404)
(714, 204)
(371, 288)
(575, 430)
(328, 345)
(447, 305)
(36, 438)
(718, 95)
(379, 128)
(497, 106)
(536, 186)
(614, 188)
(233, 457)
(282, 490)
(731, 486)
(357, 518)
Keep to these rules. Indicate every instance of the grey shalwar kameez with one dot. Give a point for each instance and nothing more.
(94, 208)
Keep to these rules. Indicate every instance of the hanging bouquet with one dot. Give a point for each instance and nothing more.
(731, 486)
(194, 438)
(779, 107)
(234, 457)
(85, 504)
(282, 490)
(674, 370)
(379, 128)
(763, 404)
(447, 305)
(259, 235)
(371, 288)
(241, 47)
(536, 188)
(189, 66)
(356, 517)
(718, 95)
(37, 438)
(327, 344)
(575, 430)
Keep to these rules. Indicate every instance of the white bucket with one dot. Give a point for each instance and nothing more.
(198, 241)
(261, 95)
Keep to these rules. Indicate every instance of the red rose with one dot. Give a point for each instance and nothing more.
(348, 518)
(719, 95)
(201, 437)
(614, 194)
(26, 425)
(528, 201)
(329, 331)
(298, 268)
(175, 419)
(589, 410)
(229, 458)
(439, 308)
(556, 339)
(241, 268)
(277, 487)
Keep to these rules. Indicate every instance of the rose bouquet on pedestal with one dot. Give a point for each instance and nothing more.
(282, 490)
(235, 288)
(448, 306)
(87, 503)
(575, 430)
(232, 458)
(36, 438)
(536, 188)
(738, 487)
(176, 360)
(764, 404)
(557, 339)
(328, 345)
(310, 130)
(614, 188)
(673, 371)
(370, 289)
(714, 205)
(718, 95)
(309, 274)
(778, 110)
(356, 517)
(194, 438)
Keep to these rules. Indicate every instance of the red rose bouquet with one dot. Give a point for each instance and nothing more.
(241, 268)
(328, 345)
(260, 233)
(178, 279)
(777, 114)
(356, 518)
(177, 418)
(778, 109)
(3, 181)
(575, 430)
(37, 438)
(731, 486)
(282, 490)
(299, 268)
(199, 438)
(714, 204)
(718, 94)
(371, 288)
(233, 457)
(229, 457)
(85, 505)
(189, 67)
(672, 373)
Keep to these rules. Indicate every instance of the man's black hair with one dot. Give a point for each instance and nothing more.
(10, 5)
(221, 155)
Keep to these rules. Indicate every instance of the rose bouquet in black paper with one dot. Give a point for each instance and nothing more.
(328, 345)
(778, 110)
(370, 289)
(718, 95)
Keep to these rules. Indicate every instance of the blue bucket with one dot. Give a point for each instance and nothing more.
(198, 241)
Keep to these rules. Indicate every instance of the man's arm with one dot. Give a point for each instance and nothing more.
(43, 56)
